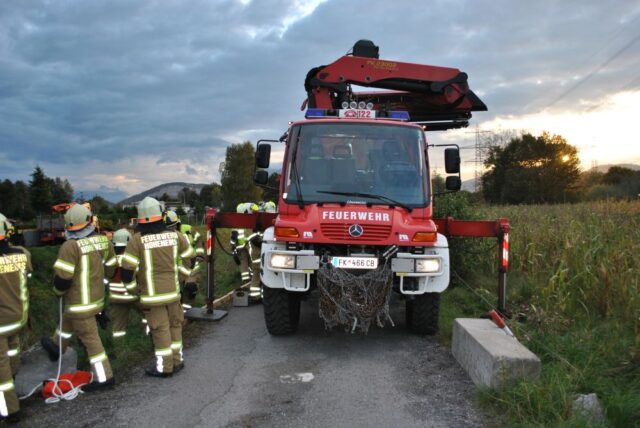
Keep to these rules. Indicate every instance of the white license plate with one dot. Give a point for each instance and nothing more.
(355, 262)
(357, 114)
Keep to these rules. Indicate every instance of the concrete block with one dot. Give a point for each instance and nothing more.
(36, 367)
(489, 356)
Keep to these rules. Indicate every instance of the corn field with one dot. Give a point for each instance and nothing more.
(582, 257)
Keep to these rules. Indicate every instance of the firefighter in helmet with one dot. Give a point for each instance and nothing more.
(84, 260)
(122, 297)
(15, 267)
(155, 250)
(188, 282)
(246, 252)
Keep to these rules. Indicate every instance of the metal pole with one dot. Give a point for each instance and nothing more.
(211, 243)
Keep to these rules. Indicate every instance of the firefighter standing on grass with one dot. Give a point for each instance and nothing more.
(121, 296)
(80, 269)
(15, 266)
(156, 250)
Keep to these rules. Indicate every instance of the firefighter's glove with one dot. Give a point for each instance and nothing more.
(236, 258)
(190, 289)
(103, 320)
(257, 241)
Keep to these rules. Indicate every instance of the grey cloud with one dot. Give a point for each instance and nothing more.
(180, 81)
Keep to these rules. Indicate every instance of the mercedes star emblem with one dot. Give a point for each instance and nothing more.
(356, 230)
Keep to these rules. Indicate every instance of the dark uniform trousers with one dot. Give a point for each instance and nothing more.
(165, 322)
(9, 364)
(86, 329)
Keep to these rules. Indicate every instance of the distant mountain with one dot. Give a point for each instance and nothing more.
(171, 189)
(605, 168)
(108, 193)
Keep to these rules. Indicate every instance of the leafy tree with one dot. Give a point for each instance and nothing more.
(618, 174)
(271, 191)
(40, 191)
(237, 177)
(8, 198)
(22, 201)
(165, 197)
(211, 195)
(529, 169)
(99, 205)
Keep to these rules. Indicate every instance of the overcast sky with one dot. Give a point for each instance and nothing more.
(124, 95)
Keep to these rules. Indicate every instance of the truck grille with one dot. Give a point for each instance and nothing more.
(340, 232)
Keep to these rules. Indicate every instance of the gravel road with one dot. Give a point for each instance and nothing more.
(237, 375)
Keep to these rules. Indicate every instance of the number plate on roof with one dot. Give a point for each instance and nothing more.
(355, 262)
(357, 114)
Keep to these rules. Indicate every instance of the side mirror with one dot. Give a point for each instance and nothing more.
(261, 177)
(452, 161)
(263, 154)
(453, 183)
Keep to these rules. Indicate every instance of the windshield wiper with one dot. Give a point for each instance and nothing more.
(391, 202)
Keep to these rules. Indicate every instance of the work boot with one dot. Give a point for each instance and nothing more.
(51, 347)
(177, 367)
(99, 386)
(151, 371)
(13, 418)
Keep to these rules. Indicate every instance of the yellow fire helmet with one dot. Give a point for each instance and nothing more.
(172, 218)
(77, 217)
(149, 211)
(247, 208)
(5, 227)
(121, 237)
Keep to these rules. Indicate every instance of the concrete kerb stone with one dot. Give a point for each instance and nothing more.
(490, 357)
(36, 367)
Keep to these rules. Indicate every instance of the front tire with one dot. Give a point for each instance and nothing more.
(422, 313)
(281, 311)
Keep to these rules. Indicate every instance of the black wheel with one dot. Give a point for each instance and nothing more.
(281, 311)
(422, 313)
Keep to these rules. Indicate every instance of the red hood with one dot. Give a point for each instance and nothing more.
(380, 225)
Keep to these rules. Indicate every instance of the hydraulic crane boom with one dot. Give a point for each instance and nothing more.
(437, 96)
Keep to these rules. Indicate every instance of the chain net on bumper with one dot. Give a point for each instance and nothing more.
(354, 300)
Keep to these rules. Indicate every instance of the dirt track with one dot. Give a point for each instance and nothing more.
(238, 375)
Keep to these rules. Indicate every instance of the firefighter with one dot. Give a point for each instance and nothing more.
(189, 283)
(246, 253)
(84, 260)
(155, 250)
(121, 297)
(15, 267)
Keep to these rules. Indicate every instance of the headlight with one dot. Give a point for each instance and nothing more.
(283, 261)
(427, 265)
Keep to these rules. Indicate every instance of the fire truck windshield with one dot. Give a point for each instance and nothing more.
(376, 163)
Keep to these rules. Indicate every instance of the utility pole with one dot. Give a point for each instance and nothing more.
(480, 149)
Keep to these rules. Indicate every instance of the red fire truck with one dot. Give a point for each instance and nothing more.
(355, 208)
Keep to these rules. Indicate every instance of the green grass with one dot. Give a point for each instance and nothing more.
(574, 290)
(135, 347)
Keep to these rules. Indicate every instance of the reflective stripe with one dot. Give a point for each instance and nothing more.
(185, 271)
(175, 268)
(119, 288)
(85, 308)
(4, 412)
(65, 266)
(164, 352)
(11, 327)
(148, 260)
(111, 262)
(131, 259)
(200, 251)
(254, 294)
(13, 352)
(84, 280)
(119, 333)
(158, 298)
(159, 364)
(131, 285)
(99, 367)
(176, 345)
(63, 334)
(97, 358)
(8, 386)
(187, 253)
(123, 297)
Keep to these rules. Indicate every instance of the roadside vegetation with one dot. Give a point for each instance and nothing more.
(574, 290)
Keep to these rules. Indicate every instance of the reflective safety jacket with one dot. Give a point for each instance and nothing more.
(86, 262)
(118, 291)
(193, 237)
(14, 296)
(156, 255)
